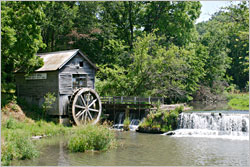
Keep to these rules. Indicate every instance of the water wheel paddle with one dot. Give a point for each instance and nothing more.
(85, 106)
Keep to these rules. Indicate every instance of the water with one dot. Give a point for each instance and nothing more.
(147, 150)
(134, 123)
(199, 106)
(216, 124)
(121, 117)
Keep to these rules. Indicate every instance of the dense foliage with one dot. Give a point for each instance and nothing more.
(17, 146)
(226, 37)
(141, 48)
(160, 121)
(20, 37)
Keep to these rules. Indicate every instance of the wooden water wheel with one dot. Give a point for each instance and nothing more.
(85, 106)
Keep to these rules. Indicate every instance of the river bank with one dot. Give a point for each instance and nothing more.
(20, 132)
(238, 101)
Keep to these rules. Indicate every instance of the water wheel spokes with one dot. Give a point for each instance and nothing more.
(86, 107)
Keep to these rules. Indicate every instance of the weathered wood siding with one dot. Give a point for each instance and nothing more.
(65, 74)
(65, 83)
(65, 80)
(34, 90)
(63, 104)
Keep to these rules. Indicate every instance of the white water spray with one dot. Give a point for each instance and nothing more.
(134, 124)
(212, 125)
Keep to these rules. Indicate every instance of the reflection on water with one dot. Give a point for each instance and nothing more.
(62, 160)
(145, 150)
(221, 105)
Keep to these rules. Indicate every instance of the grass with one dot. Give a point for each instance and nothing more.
(91, 137)
(32, 129)
(238, 101)
(15, 145)
(17, 130)
(16, 136)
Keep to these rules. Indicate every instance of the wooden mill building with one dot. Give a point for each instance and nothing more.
(61, 74)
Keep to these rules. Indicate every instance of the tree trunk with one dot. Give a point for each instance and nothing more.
(131, 25)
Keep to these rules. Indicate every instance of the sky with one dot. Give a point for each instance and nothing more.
(210, 7)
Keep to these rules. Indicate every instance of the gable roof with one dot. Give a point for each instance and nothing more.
(56, 60)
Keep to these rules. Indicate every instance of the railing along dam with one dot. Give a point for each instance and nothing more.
(137, 106)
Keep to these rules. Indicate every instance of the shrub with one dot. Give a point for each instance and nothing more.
(126, 124)
(7, 93)
(31, 110)
(247, 87)
(17, 146)
(91, 137)
(49, 100)
(11, 123)
(7, 155)
(161, 121)
(231, 88)
(25, 148)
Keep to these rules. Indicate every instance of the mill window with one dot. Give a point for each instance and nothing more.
(79, 80)
(81, 63)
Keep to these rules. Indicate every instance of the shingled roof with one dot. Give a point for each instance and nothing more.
(56, 60)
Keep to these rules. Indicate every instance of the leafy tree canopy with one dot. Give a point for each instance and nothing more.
(21, 37)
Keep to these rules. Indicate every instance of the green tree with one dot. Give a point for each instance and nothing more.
(57, 24)
(123, 16)
(21, 37)
(238, 20)
(226, 37)
(174, 19)
(217, 62)
(88, 33)
(154, 70)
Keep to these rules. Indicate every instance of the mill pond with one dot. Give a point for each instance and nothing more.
(217, 137)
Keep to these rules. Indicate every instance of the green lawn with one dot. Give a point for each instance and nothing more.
(239, 101)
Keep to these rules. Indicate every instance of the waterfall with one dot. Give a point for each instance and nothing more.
(134, 123)
(121, 118)
(214, 125)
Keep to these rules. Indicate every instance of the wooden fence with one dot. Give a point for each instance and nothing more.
(131, 100)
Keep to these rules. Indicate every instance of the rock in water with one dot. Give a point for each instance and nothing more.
(169, 133)
(36, 137)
